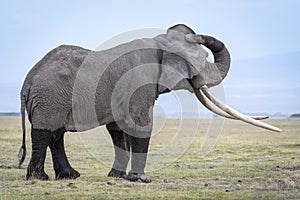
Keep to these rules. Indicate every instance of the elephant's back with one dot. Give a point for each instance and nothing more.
(59, 62)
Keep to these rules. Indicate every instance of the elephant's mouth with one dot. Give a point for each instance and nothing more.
(218, 107)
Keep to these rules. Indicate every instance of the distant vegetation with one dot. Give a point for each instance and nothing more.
(10, 114)
(296, 115)
(187, 115)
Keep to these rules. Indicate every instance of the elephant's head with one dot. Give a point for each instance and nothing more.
(184, 66)
(184, 63)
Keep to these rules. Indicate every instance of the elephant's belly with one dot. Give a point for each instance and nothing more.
(82, 121)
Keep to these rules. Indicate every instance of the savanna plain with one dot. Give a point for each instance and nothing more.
(188, 159)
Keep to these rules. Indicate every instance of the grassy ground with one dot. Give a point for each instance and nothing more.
(244, 163)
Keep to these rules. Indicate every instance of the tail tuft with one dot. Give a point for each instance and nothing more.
(22, 155)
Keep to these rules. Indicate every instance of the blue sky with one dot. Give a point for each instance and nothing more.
(263, 38)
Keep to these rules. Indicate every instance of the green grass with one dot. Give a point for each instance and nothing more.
(245, 163)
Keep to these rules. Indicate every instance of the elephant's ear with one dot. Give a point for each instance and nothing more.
(181, 60)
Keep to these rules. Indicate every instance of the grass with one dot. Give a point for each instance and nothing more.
(242, 162)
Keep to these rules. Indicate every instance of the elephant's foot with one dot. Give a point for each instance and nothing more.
(41, 175)
(138, 177)
(67, 173)
(116, 173)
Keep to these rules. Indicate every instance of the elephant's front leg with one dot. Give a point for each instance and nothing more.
(122, 150)
(62, 167)
(139, 148)
(40, 141)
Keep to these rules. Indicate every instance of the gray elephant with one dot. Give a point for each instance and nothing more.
(75, 89)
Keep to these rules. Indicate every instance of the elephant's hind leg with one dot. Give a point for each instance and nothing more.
(62, 167)
(122, 150)
(40, 141)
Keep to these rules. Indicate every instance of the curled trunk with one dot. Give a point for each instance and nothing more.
(215, 72)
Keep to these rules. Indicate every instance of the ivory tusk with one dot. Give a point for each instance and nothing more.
(210, 106)
(259, 117)
(235, 113)
(213, 108)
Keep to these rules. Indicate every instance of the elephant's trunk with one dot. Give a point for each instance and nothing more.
(214, 72)
(220, 52)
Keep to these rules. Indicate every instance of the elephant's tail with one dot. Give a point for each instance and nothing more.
(22, 152)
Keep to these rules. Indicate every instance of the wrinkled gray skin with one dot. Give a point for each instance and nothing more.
(75, 89)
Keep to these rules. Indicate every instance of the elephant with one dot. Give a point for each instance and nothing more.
(75, 89)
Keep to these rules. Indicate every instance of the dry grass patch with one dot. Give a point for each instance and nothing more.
(246, 162)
